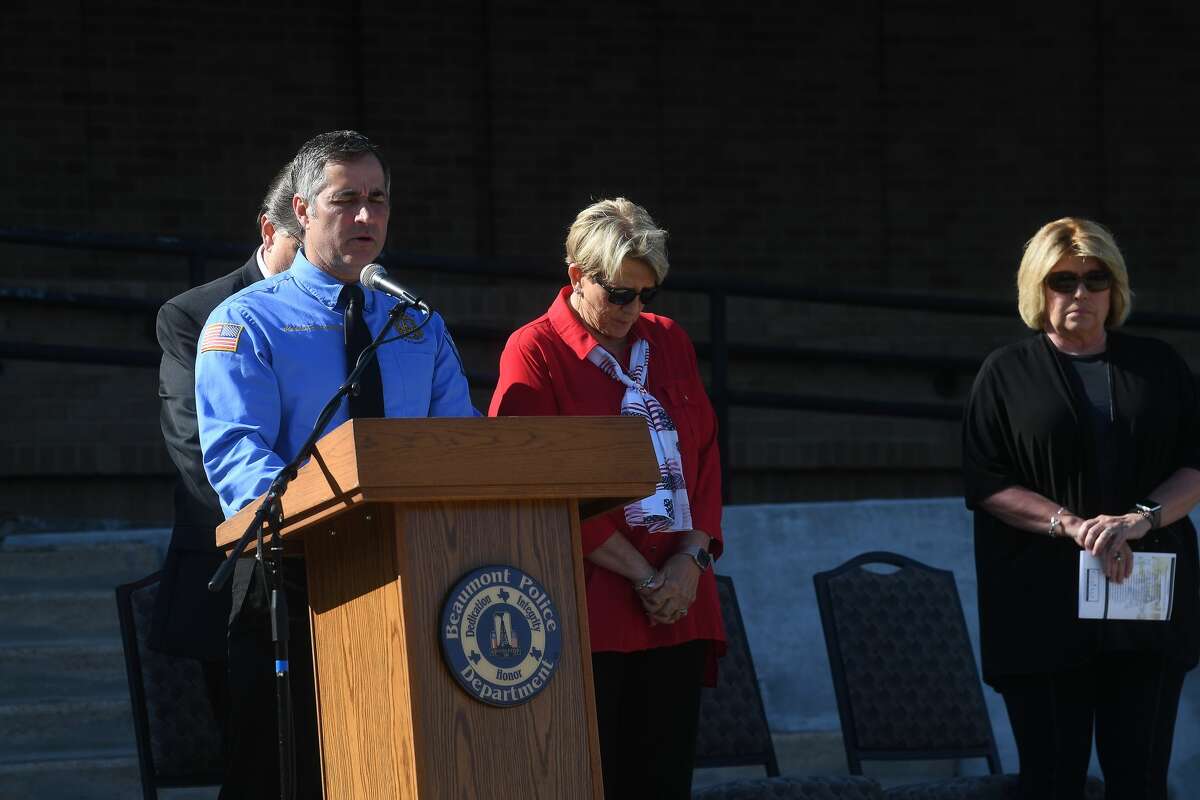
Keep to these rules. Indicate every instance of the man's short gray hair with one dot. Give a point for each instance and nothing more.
(610, 231)
(332, 147)
(277, 204)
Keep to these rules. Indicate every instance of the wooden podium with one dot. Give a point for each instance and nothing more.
(390, 513)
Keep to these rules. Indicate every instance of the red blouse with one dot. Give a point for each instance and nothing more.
(544, 371)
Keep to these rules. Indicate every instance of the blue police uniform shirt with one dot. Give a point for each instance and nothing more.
(272, 355)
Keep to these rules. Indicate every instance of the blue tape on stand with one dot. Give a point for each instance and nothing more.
(281, 667)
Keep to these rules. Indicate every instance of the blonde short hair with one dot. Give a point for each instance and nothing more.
(610, 231)
(1070, 236)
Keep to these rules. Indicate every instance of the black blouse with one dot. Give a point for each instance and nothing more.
(1025, 427)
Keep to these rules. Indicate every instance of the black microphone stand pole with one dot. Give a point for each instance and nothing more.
(272, 568)
(270, 514)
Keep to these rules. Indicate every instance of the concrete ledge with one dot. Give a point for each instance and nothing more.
(26, 542)
(92, 561)
(822, 753)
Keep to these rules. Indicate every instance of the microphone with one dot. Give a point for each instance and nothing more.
(376, 277)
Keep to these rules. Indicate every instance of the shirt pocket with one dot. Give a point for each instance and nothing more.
(407, 381)
(689, 409)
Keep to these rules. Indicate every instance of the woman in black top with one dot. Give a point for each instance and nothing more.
(1082, 437)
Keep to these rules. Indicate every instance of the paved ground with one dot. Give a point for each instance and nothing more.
(821, 753)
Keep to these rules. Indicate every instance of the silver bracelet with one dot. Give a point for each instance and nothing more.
(1149, 511)
(637, 587)
(1056, 522)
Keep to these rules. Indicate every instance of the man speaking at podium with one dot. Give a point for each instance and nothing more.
(268, 360)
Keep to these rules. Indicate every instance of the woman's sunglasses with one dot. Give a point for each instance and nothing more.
(1098, 280)
(623, 296)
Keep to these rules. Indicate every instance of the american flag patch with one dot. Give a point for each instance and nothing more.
(221, 336)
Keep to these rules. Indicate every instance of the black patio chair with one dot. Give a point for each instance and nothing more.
(733, 724)
(905, 676)
(903, 670)
(178, 739)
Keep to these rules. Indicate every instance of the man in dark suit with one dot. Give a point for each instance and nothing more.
(188, 619)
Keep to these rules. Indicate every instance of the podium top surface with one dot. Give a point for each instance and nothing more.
(604, 462)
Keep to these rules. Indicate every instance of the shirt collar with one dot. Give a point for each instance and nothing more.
(320, 284)
(572, 331)
(262, 265)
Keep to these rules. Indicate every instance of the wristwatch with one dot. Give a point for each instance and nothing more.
(700, 556)
(1151, 510)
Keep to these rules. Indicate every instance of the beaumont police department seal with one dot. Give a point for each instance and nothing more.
(500, 635)
(408, 328)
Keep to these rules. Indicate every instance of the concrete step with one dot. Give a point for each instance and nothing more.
(74, 668)
(91, 560)
(35, 729)
(87, 777)
(99, 775)
(193, 793)
(55, 615)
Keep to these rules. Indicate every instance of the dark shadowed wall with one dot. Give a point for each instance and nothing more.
(909, 145)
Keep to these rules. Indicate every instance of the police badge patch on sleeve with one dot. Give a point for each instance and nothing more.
(500, 635)
(408, 329)
(221, 336)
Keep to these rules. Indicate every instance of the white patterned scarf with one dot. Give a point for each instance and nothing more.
(668, 508)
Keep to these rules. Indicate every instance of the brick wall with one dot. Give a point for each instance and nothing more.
(910, 145)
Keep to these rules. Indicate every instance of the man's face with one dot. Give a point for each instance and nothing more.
(344, 228)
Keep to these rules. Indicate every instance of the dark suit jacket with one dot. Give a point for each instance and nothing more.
(188, 619)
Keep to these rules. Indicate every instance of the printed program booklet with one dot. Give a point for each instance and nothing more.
(1147, 594)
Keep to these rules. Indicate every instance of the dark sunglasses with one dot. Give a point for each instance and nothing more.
(1098, 280)
(623, 296)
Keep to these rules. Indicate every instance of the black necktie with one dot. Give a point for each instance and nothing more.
(369, 401)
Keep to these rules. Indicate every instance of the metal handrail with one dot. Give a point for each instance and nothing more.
(92, 302)
(106, 356)
(718, 291)
(510, 268)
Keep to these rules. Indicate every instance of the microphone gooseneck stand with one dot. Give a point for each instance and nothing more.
(270, 515)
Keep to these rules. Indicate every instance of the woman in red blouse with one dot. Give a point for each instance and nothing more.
(652, 600)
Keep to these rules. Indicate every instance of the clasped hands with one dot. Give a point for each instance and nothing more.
(1108, 537)
(672, 590)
